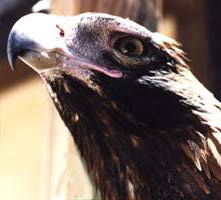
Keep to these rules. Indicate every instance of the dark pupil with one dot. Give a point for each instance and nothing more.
(130, 47)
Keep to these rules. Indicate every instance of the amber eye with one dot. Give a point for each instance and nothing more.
(129, 46)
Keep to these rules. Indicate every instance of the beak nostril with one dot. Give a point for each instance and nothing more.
(61, 33)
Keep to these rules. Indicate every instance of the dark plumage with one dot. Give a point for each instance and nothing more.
(147, 128)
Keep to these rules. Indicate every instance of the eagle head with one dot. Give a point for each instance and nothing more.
(147, 128)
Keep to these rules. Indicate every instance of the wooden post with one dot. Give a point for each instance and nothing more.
(145, 12)
(68, 177)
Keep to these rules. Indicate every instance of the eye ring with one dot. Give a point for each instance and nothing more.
(129, 46)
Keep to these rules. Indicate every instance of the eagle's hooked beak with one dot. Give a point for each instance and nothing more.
(35, 39)
(40, 41)
(18, 45)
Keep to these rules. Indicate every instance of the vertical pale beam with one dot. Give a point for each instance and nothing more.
(22, 120)
(68, 177)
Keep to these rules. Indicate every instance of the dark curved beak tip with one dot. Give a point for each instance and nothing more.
(11, 59)
(18, 45)
(12, 55)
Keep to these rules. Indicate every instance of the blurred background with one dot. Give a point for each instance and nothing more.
(38, 159)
